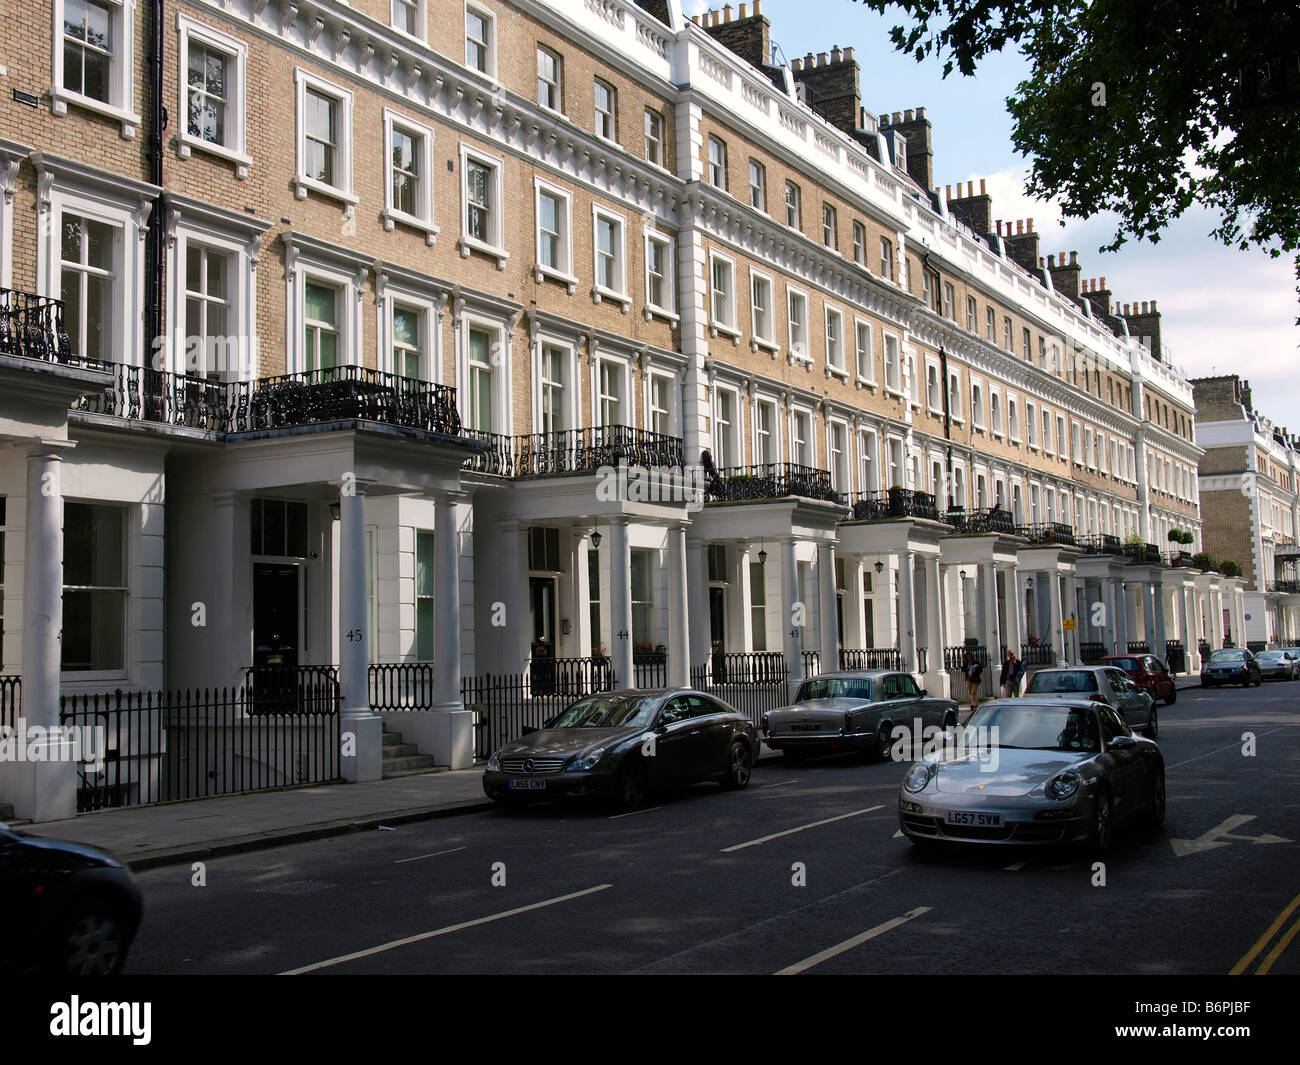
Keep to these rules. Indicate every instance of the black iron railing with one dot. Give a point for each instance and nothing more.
(1175, 656)
(753, 683)
(1042, 655)
(11, 695)
(1048, 532)
(894, 503)
(1285, 587)
(1102, 544)
(31, 327)
(1148, 554)
(401, 685)
(343, 393)
(506, 705)
(871, 658)
(1203, 649)
(746, 667)
(499, 458)
(773, 480)
(291, 689)
(650, 669)
(1139, 647)
(983, 520)
(575, 451)
(1091, 652)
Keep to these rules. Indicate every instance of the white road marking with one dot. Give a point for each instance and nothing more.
(898, 834)
(1220, 835)
(1219, 750)
(780, 785)
(442, 931)
(1015, 867)
(420, 857)
(849, 944)
(632, 813)
(791, 831)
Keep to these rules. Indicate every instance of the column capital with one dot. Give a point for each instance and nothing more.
(349, 484)
(49, 449)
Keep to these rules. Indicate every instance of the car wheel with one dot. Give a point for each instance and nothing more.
(884, 742)
(89, 943)
(1156, 809)
(740, 762)
(631, 790)
(1099, 839)
(1152, 726)
(1173, 695)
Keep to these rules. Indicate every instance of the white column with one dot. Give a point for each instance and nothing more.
(1161, 636)
(362, 730)
(453, 739)
(1121, 617)
(1070, 610)
(679, 665)
(854, 625)
(517, 639)
(907, 609)
(1216, 618)
(1058, 616)
(936, 676)
(620, 602)
(1014, 608)
(1188, 621)
(792, 638)
(1149, 615)
(742, 601)
(697, 594)
(585, 638)
(826, 596)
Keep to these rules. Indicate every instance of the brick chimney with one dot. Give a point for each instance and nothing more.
(830, 87)
(1022, 245)
(915, 127)
(971, 208)
(1144, 323)
(1097, 294)
(1065, 274)
(747, 35)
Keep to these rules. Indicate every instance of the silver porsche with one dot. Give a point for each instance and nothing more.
(856, 710)
(1026, 771)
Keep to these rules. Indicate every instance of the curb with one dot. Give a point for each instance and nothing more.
(301, 834)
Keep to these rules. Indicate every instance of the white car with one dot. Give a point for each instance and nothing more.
(1101, 684)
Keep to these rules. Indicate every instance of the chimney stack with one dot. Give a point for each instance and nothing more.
(1022, 248)
(974, 211)
(1144, 323)
(831, 83)
(747, 36)
(1065, 275)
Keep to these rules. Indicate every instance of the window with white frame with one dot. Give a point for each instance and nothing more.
(94, 57)
(835, 340)
(408, 16)
(408, 331)
(990, 321)
(933, 395)
(654, 137)
(722, 292)
(995, 413)
(893, 365)
(1076, 443)
(642, 587)
(322, 329)
(802, 452)
(958, 498)
(554, 235)
(1031, 423)
(480, 39)
(757, 186)
(481, 193)
(1047, 432)
(837, 444)
(758, 604)
(948, 297)
(972, 311)
(1027, 343)
(766, 444)
(762, 322)
(977, 404)
(660, 397)
(886, 258)
(209, 293)
(1006, 333)
(894, 451)
(864, 353)
(550, 79)
(717, 164)
(611, 393)
(796, 317)
(609, 253)
(95, 625)
(553, 387)
(212, 93)
(482, 413)
(793, 213)
(868, 474)
(1013, 419)
(409, 159)
(660, 293)
(324, 139)
(606, 105)
(830, 228)
(726, 436)
(859, 243)
(90, 285)
(1060, 436)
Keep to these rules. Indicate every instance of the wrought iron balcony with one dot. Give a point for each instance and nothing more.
(983, 520)
(1047, 532)
(895, 503)
(344, 393)
(574, 451)
(31, 327)
(1148, 554)
(1103, 544)
(773, 480)
(1285, 587)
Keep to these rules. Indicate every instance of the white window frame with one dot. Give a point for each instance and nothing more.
(977, 404)
(496, 208)
(311, 260)
(773, 406)
(421, 19)
(490, 45)
(121, 103)
(1013, 419)
(838, 369)
(572, 368)
(423, 136)
(563, 272)
(839, 461)
(887, 258)
(601, 292)
(997, 425)
(972, 315)
(932, 366)
(236, 150)
(759, 187)
(859, 243)
(796, 206)
(868, 460)
(1031, 425)
(620, 371)
(765, 339)
(809, 443)
(303, 184)
(556, 86)
(653, 377)
(497, 326)
(896, 388)
(655, 158)
(956, 403)
(669, 284)
(735, 435)
(718, 325)
(830, 226)
(710, 165)
(602, 116)
(867, 380)
(1048, 449)
(793, 295)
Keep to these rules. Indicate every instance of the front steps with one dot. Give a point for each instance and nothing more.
(403, 759)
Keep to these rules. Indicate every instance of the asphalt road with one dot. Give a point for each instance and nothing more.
(704, 881)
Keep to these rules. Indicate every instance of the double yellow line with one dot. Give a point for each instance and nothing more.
(1279, 947)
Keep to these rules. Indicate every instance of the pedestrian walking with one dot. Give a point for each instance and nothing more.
(1012, 670)
(974, 673)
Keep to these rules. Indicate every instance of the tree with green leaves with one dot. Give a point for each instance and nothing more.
(1143, 108)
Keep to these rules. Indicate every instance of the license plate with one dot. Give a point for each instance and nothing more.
(962, 817)
(805, 728)
(526, 785)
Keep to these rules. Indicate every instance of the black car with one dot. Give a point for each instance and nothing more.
(1231, 665)
(623, 745)
(74, 910)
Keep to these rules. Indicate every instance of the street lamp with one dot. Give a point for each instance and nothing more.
(762, 556)
(595, 540)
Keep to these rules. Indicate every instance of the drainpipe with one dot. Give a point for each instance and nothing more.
(157, 121)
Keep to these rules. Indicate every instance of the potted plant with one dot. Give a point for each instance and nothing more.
(1203, 561)
(1229, 568)
(599, 653)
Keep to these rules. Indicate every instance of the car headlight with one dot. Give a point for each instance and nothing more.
(494, 763)
(588, 761)
(919, 776)
(1062, 786)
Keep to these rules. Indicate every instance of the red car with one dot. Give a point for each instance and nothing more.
(1148, 673)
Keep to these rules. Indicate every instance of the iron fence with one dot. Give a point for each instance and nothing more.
(894, 503)
(1042, 655)
(1102, 544)
(1175, 656)
(506, 705)
(1047, 532)
(754, 688)
(1139, 647)
(1091, 652)
(291, 689)
(401, 685)
(1203, 649)
(987, 520)
(32, 327)
(871, 658)
(11, 696)
(771, 480)
(151, 747)
(954, 661)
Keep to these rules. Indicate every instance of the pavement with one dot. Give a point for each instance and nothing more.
(146, 837)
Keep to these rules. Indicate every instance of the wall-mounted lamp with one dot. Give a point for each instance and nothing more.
(880, 567)
(595, 539)
(762, 556)
(961, 573)
(1029, 584)
(565, 627)
(336, 511)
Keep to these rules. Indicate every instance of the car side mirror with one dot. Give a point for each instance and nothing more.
(924, 693)
(1122, 743)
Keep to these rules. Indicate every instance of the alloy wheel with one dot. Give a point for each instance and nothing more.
(1101, 824)
(93, 946)
(884, 746)
(739, 766)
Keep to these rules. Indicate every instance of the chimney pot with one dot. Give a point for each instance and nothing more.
(920, 113)
(1153, 306)
(808, 60)
(909, 115)
(726, 13)
(1074, 258)
(947, 192)
(796, 64)
(1020, 226)
(744, 12)
(1103, 282)
(848, 54)
(1051, 262)
(837, 56)
(898, 117)
(822, 59)
(997, 227)
(981, 186)
(970, 188)
(1030, 226)
(758, 8)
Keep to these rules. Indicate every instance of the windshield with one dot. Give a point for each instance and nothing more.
(1038, 728)
(609, 711)
(1129, 665)
(834, 688)
(1273, 656)
(1049, 682)
(1227, 656)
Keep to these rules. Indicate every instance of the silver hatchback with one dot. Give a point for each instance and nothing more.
(1101, 684)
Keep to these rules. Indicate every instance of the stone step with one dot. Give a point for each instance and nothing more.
(390, 738)
(389, 774)
(400, 750)
(414, 761)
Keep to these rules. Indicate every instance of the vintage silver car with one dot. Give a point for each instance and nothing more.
(1046, 771)
(854, 710)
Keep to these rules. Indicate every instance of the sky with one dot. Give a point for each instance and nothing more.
(1223, 310)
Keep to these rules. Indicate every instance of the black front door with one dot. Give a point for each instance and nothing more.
(275, 614)
(717, 618)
